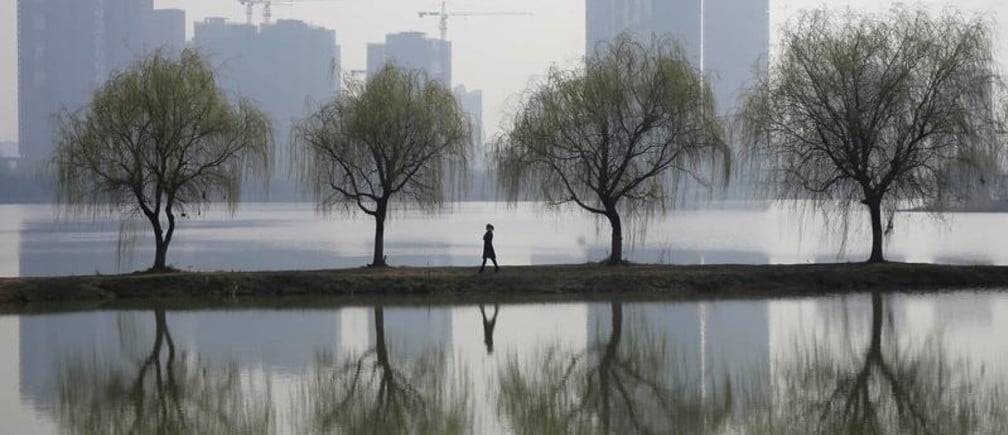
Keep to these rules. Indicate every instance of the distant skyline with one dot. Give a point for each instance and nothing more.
(500, 55)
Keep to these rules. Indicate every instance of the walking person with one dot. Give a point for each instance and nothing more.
(488, 249)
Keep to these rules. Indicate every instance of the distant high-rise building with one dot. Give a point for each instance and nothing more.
(286, 67)
(166, 28)
(472, 104)
(66, 48)
(9, 155)
(730, 39)
(678, 19)
(413, 51)
(736, 45)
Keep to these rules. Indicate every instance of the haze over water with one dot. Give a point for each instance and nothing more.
(292, 236)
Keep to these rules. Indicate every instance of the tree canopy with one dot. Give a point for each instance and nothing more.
(882, 109)
(616, 136)
(397, 134)
(159, 140)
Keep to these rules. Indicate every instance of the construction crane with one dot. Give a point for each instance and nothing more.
(444, 14)
(266, 4)
(267, 7)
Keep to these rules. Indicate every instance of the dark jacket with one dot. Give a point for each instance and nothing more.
(488, 250)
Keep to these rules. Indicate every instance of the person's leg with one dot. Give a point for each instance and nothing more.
(496, 267)
(482, 265)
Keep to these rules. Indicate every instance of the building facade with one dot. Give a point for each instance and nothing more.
(413, 51)
(287, 68)
(729, 39)
(66, 48)
(678, 19)
(472, 104)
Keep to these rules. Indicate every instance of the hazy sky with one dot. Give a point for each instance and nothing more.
(499, 54)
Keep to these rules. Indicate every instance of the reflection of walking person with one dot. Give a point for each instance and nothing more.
(488, 250)
(488, 327)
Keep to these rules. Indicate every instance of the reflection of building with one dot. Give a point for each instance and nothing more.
(413, 331)
(45, 340)
(276, 342)
(285, 67)
(413, 51)
(710, 346)
(68, 47)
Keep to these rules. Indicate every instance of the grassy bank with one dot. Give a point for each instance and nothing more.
(449, 284)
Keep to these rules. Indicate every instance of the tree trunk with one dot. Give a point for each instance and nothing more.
(379, 237)
(160, 253)
(168, 234)
(160, 246)
(875, 211)
(616, 249)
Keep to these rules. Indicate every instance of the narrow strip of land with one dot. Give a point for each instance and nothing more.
(451, 283)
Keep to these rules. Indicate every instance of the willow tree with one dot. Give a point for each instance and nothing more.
(160, 140)
(396, 135)
(877, 109)
(615, 136)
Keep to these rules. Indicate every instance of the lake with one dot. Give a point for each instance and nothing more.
(861, 363)
(293, 236)
(895, 363)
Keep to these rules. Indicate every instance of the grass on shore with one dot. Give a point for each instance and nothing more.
(449, 284)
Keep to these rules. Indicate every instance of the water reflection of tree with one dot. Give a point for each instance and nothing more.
(628, 383)
(887, 388)
(377, 392)
(162, 392)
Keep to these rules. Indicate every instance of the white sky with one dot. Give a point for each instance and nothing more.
(498, 54)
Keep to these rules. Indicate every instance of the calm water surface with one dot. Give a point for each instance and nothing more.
(292, 236)
(934, 364)
(858, 364)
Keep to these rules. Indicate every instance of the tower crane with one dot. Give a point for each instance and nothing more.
(443, 14)
(266, 5)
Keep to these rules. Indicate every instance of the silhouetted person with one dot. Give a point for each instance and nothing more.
(488, 327)
(488, 250)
